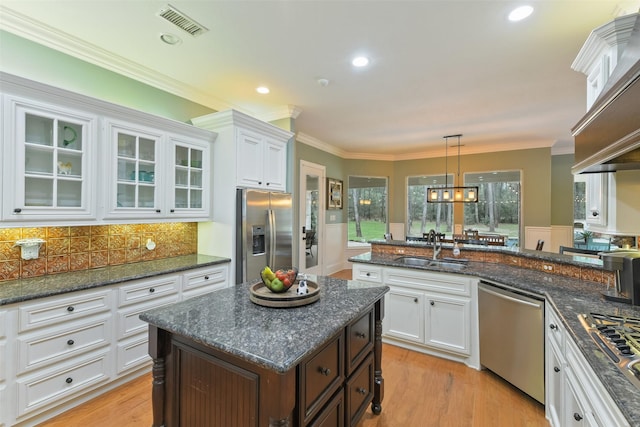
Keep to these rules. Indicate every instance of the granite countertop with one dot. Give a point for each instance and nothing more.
(569, 297)
(15, 291)
(274, 338)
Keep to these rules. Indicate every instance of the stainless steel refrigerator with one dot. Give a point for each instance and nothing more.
(264, 228)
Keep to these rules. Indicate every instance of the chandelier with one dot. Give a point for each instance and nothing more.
(451, 194)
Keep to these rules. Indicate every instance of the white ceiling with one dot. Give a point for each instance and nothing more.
(437, 67)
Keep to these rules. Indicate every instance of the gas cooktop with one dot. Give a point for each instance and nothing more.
(619, 339)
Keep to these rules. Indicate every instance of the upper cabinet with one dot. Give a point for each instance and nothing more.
(48, 161)
(70, 159)
(262, 161)
(601, 52)
(254, 152)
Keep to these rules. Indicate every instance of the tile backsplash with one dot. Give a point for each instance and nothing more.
(85, 247)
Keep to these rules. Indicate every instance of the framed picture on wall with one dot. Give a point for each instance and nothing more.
(334, 193)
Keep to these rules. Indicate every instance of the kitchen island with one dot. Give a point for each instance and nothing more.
(221, 360)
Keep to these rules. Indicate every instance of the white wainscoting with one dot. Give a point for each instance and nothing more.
(561, 235)
(533, 234)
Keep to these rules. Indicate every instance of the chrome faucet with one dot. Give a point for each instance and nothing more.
(433, 238)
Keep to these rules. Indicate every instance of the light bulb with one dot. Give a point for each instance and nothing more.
(445, 195)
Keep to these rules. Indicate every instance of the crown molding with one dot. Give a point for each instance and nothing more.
(284, 112)
(428, 154)
(27, 28)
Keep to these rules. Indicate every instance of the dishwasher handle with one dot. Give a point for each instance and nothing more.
(509, 298)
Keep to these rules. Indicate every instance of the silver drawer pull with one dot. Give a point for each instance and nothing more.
(361, 390)
(325, 371)
(361, 335)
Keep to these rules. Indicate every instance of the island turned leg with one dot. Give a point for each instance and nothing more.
(378, 382)
(158, 340)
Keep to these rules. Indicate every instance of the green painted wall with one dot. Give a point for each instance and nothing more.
(562, 190)
(30, 60)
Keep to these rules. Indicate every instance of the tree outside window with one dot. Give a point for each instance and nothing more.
(367, 216)
(499, 204)
(423, 216)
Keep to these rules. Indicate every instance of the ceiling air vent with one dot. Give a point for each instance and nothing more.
(182, 21)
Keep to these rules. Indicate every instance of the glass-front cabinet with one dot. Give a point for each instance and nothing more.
(190, 174)
(136, 158)
(47, 168)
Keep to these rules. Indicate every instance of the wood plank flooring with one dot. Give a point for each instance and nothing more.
(420, 391)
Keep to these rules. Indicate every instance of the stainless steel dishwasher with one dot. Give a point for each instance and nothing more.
(512, 336)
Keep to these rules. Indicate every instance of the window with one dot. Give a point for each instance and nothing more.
(498, 208)
(423, 216)
(367, 217)
(579, 200)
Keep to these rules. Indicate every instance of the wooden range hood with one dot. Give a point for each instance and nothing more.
(607, 138)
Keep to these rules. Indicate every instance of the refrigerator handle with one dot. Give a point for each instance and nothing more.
(272, 238)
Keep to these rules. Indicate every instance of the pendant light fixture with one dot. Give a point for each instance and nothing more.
(453, 194)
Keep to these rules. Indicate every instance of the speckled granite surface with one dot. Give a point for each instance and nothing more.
(275, 338)
(569, 297)
(55, 284)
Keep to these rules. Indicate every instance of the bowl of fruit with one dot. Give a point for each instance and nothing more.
(279, 281)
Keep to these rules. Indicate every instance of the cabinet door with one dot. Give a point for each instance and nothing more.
(448, 323)
(250, 159)
(404, 315)
(554, 385)
(48, 163)
(275, 170)
(596, 199)
(136, 160)
(576, 411)
(189, 195)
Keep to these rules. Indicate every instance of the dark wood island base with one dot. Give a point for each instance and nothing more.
(197, 385)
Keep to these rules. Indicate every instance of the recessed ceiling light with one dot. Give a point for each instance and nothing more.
(520, 13)
(170, 39)
(263, 90)
(360, 61)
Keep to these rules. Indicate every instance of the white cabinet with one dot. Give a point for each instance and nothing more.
(189, 179)
(135, 157)
(431, 311)
(61, 349)
(255, 152)
(574, 394)
(48, 162)
(405, 314)
(133, 333)
(597, 185)
(204, 280)
(262, 161)
(71, 159)
(448, 323)
(56, 352)
(367, 273)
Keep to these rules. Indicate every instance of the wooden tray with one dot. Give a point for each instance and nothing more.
(261, 295)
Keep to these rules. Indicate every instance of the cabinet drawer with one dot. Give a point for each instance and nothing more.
(359, 391)
(359, 340)
(333, 414)
(367, 273)
(555, 330)
(424, 280)
(54, 311)
(132, 354)
(58, 386)
(53, 346)
(129, 322)
(205, 277)
(322, 375)
(146, 290)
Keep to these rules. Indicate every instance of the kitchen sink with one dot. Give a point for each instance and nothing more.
(428, 262)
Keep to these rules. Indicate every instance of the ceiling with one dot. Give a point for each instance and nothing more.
(437, 67)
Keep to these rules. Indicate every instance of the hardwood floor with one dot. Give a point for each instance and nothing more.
(420, 391)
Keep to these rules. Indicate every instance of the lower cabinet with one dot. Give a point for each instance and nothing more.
(58, 350)
(574, 394)
(429, 311)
